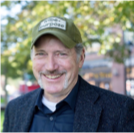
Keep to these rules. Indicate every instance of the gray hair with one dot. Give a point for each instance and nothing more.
(78, 50)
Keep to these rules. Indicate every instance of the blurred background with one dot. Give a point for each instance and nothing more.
(107, 29)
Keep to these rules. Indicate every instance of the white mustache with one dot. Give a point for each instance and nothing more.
(52, 72)
(55, 73)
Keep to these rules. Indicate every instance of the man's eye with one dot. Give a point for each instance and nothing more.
(39, 53)
(62, 54)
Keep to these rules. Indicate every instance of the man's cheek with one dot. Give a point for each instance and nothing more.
(37, 66)
(36, 71)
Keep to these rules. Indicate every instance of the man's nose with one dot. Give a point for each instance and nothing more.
(51, 63)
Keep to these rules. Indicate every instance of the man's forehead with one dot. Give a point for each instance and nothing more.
(44, 38)
(53, 50)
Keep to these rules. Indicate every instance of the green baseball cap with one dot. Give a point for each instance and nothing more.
(64, 29)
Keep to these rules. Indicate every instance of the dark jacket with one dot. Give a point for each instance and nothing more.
(96, 110)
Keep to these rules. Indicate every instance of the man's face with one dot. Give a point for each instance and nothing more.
(55, 66)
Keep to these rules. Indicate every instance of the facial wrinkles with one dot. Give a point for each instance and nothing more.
(50, 74)
(33, 53)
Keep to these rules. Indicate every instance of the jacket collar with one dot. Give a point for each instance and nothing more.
(88, 112)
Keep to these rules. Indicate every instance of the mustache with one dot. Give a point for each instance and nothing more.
(52, 72)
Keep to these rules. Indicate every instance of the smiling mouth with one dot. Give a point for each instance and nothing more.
(53, 76)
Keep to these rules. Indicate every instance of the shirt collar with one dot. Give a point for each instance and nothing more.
(38, 102)
(70, 99)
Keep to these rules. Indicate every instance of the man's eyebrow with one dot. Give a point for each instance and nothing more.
(61, 50)
(66, 51)
(39, 50)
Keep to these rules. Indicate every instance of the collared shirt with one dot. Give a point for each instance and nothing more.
(61, 120)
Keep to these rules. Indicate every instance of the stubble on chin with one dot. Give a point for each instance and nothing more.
(65, 82)
(40, 81)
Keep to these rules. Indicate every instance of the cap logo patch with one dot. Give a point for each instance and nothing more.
(52, 22)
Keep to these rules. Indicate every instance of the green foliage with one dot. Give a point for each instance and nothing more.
(2, 100)
(2, 120)
(118, 52)
(91, 17)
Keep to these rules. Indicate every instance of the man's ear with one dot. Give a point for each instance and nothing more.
(82, 58)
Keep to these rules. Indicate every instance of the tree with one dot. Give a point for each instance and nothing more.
(93, 18)
(13, 64)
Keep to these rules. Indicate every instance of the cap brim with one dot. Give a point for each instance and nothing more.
(62, 37)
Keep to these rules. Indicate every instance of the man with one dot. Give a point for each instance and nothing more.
(65, 102)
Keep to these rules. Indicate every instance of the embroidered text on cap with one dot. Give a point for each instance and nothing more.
(52, 22)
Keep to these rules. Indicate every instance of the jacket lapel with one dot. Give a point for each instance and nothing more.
(87, 113)
(25, 113)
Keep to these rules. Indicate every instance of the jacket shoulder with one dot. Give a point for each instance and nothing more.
(24, 98)
(106, 97)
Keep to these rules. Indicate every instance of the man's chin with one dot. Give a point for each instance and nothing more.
(53, 90)
(40, 83)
